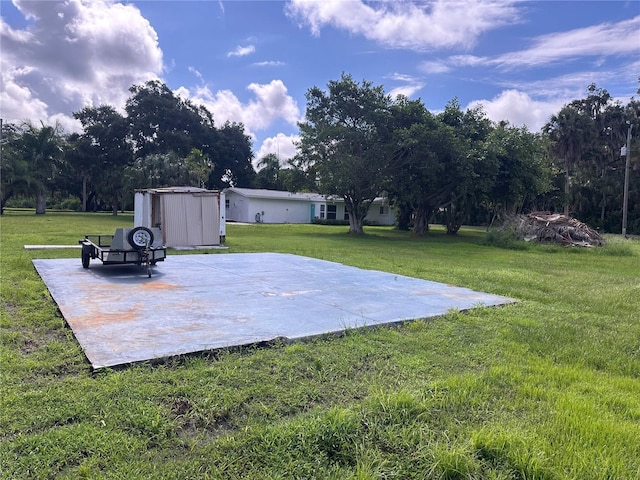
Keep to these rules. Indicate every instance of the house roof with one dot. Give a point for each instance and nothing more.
(275, 194)
(282, 195)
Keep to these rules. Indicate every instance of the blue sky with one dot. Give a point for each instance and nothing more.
(253, 61)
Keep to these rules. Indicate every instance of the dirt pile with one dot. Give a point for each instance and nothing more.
(553, 228)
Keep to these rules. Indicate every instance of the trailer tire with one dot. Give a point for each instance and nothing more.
(140, 237)
(86, 256)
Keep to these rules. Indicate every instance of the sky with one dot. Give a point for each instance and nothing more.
(253, 61)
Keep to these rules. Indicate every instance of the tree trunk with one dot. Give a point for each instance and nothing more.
(452, 219)
(5, 198)
(357, 214)
(84, 193)
(421, 222)
(41, 202)
(114, 205)
(355, 225)
(566, 190)
(404, 217)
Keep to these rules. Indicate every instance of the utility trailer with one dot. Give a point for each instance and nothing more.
(140, 246)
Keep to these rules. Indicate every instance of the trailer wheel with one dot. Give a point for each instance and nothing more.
(86, 255)
(140, 237)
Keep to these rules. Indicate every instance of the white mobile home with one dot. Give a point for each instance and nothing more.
(249, 205)
(186, 216)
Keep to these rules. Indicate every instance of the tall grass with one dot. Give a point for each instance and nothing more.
(548, 388)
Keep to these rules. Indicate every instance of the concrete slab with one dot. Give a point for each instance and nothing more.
(195, 303)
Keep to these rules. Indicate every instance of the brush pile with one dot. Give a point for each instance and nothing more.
(553, 228)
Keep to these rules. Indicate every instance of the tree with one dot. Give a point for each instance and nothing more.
(79, 158)
(268, 175)
(158, 170)
(296, 180)
(521, 174)
(199, 166)
(347, 139)
(42, 151)
(471, 170)
(423, 180)
(15, 177)
(568, 131)
(232, 156)
(105, 130)
(406, 113)
(300, 175)
(161, 122)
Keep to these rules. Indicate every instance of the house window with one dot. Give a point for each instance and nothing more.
(226, 203)
(332, 211)
(346, 214)
(384, 210)
(322, 208)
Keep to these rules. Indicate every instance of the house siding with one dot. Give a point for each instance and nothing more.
(270, 206)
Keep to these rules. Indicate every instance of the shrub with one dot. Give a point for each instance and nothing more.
(504, 238)
(70, 203)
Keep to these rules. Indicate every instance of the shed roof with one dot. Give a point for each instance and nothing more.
(176, 190)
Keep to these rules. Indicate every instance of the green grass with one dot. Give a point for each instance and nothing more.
(548, 388)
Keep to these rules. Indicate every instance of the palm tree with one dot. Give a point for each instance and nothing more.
(568, 131)
(269, 173)
(14, 170)
(42, 151)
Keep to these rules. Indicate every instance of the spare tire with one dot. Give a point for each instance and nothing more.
(140, 237)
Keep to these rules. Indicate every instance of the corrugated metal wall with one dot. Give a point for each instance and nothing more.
(190, 219)
(210, 211)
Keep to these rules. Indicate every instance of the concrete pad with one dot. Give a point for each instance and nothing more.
(195, 303)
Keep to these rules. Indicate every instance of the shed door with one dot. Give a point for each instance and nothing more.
(210, 211)
(190, 220)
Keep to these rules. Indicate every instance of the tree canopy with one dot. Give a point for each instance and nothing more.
(347, 138)
(356, 143)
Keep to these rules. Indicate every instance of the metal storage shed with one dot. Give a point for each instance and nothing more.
(186, 216)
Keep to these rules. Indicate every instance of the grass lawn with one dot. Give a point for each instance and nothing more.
(548, 388)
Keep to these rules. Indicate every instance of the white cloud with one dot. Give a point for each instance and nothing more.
(470, 60)
(434, 67)
(272, 103)
(281, 145)
(621, 38)
(17, 101)
(196, 72)
(411, 85)
(519, 109)
(603, 40)
(74, 54)
(563, 87)
(272, 63)
(240, 51)
(418, 26)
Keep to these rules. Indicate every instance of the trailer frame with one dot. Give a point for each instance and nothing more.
(126, 247)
